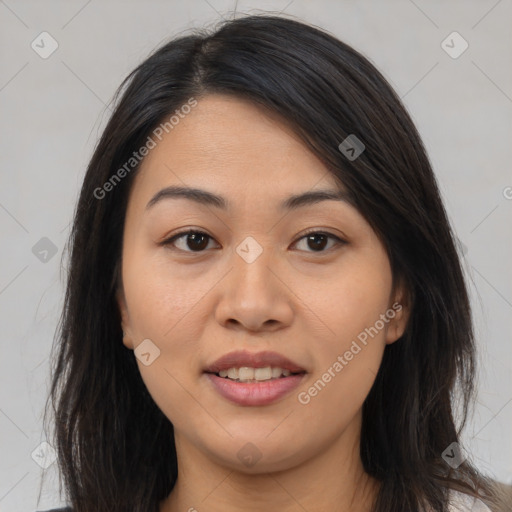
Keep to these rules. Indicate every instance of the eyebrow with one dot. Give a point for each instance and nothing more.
(207, 198)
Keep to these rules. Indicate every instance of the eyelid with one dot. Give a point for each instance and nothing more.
(169, 240)
(320, 231)
(339, 241)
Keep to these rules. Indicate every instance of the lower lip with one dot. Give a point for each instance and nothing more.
(255, 393)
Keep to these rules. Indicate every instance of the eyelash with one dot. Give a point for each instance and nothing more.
(170, 241)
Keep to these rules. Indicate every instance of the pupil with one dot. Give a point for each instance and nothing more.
(317, 245)
(195, 237)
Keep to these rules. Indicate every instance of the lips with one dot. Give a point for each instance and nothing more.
(254, 393)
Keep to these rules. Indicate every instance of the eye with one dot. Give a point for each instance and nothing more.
(190, 241)
(317, 240)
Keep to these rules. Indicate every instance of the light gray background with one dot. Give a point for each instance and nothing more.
(53, 111)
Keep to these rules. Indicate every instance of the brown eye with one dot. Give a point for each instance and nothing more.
(190, 241)
(317, 241)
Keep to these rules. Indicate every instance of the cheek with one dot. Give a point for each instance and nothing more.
(352, 300)
(166, 309)
(163, 308)
(160, 296)
(349, 350)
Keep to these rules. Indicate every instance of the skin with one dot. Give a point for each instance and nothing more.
(307, 305)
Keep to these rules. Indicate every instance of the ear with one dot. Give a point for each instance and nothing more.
(399, 311)
(125, 319)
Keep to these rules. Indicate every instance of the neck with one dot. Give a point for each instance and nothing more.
(333, 480)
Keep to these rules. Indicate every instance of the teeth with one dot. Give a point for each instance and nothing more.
(233, 373)
(276, 372)
(246, 374)
(263, 373)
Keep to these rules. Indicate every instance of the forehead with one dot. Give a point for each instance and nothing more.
(226, 143)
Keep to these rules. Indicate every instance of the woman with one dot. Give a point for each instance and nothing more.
(265, 307)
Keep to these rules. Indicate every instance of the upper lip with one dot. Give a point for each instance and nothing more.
(241, 358)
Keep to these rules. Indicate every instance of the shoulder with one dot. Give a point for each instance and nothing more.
(460, 502)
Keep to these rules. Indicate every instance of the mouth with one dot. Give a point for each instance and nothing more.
(254, 379)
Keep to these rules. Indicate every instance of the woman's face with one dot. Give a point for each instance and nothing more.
(301, 320)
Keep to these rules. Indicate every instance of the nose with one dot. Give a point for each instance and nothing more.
(254, 296)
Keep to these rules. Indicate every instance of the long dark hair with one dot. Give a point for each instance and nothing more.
(115, 447)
